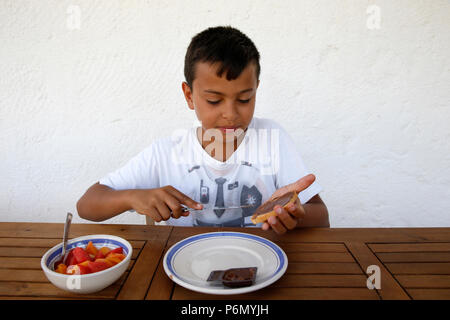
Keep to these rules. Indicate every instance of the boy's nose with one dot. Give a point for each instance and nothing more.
(229, 112)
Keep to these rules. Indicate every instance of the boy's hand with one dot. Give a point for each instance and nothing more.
(161, 203)
(290, 218)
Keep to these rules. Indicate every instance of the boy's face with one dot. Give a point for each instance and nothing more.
(219, 103)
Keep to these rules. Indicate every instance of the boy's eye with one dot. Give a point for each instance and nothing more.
(216, 102)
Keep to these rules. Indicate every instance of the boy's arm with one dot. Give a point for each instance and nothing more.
(101, 203)
(316, 214)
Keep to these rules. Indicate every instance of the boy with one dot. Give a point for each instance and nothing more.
(231, 159)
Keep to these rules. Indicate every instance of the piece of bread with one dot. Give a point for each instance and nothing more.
(264, 211)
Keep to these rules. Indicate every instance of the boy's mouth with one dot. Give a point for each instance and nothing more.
(228, 129)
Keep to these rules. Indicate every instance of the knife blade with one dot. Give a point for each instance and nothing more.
(185, 208)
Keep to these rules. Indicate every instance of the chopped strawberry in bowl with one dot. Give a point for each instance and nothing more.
(92, 263)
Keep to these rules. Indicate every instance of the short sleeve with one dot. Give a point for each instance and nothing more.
(289, 166)
(140, 172)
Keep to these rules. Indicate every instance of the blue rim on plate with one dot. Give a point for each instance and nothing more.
(272, 247)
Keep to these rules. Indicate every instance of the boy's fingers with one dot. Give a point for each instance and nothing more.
(288, 221)
(175, 207)
(184, 199)
(153, 214)
(164, 211)
(303, 183)
(297, 186)
(296, 210)
(276, 225)
(156, 217)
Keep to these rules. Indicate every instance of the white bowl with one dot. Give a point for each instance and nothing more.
(91, 282)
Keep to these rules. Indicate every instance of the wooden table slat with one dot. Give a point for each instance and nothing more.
(430, 294)
(320, 257)
(424, 281)
(313, 247)
(323, 268)
(161, 286)
(48, 243)
(12, 288)
(55, 230)
(30, 275)
(274, 293)
(387, 257)
(47, 289)
(419, 268)
(325, 281)
(410, 247)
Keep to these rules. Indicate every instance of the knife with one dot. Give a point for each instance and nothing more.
(185, 208)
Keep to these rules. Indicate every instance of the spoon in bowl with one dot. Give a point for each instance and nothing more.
(62, 257)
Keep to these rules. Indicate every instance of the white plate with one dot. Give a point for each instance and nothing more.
(190, 261)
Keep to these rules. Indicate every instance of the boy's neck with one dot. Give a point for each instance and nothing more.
(219, 151)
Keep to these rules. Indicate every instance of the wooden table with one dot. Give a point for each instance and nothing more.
(323, 263)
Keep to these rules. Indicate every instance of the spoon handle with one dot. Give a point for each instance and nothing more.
(66, 233)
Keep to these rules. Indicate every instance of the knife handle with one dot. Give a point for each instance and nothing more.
(185, 208)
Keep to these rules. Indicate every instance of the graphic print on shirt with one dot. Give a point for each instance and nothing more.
(250, 196)
(239, 186)
(219, 197)
(204, 192)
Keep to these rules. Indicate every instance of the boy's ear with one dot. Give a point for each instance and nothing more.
(187, 94)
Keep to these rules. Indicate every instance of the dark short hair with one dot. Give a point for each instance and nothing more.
(221, 44)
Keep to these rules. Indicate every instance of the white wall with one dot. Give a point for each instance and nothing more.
(366, 99)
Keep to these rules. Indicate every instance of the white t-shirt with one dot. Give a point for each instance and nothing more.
(265, 161)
